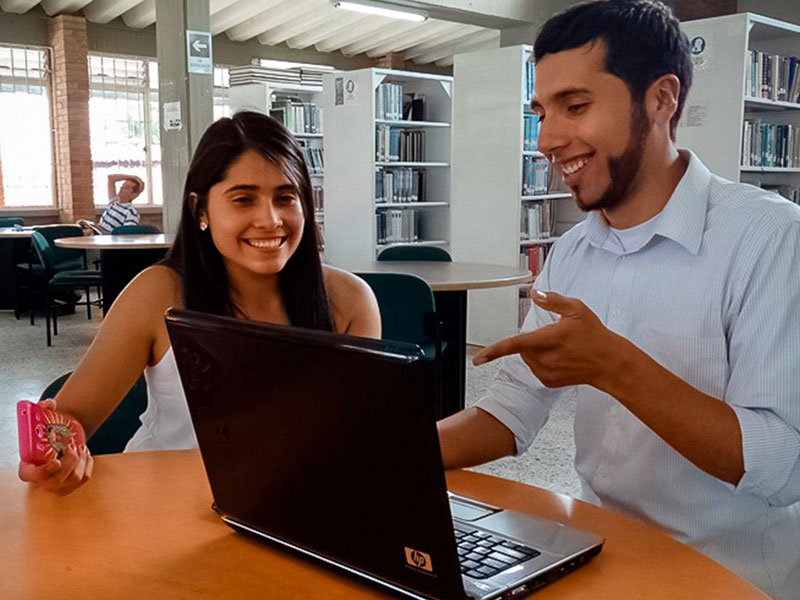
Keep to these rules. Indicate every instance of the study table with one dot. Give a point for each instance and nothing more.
(122, 257)
(143, 528)
(450, 282)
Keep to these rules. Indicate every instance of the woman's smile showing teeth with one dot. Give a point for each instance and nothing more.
(265, 243)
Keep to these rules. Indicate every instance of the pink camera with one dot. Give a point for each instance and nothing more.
(45, 434)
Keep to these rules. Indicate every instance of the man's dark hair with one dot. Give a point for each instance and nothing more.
(643, 41)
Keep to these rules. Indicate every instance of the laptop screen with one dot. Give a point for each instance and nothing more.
(323, 441)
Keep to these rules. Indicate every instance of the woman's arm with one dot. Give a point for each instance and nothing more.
(132, 335)
(355, 308)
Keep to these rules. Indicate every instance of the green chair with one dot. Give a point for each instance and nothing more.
(64, 270)
(408, 314)
(134, 229)
(112, 436)
(11, 221)
(412, 252)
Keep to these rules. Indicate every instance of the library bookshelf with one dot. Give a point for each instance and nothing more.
(491, 104)
(742, 103)
(299, 108)
(387, 178)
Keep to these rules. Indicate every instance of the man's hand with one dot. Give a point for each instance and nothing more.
(572, 351)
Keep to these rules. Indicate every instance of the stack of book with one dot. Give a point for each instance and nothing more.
(399, 185)
(531, 133)
(772, 77)
(536, 221)
(403, 145)
(396, 226)
(257, 74)
(297, 116)
(535, 173)
(770, 145)
(313, 158)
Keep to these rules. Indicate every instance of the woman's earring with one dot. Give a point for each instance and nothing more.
(203, 225)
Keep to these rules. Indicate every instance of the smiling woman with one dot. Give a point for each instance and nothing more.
(246, 247)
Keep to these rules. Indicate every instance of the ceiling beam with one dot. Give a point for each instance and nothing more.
(103, 11)
(486, 45)
(57, 7)
(426, 31)
(334, 42)
(334, 25)
(17, 6)
(381, 35)
(290, 25)
(141, 16)
(237, 13)
(440, 41)
(463, 44)
(280, 11)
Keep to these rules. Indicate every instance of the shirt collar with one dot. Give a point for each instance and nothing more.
(682, 220)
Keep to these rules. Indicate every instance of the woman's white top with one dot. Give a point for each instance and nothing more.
(166, 424)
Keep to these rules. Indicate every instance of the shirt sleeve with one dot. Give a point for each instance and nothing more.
(517, 398)
(764, 358)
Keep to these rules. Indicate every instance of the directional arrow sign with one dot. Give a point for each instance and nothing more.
(198, 52)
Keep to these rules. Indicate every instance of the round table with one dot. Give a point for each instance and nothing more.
(143, 528)
(450, 282)
(122, 257)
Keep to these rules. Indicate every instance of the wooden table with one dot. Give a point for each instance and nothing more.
(122, 257)
(450, 282)
(143, 528)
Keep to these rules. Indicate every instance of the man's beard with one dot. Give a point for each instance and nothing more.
(622, 169)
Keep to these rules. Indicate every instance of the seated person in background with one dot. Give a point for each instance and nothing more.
(246, 247)
(670, 312)
(120, 211)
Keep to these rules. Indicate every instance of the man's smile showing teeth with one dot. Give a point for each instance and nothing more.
(268, 243)
(574, 166)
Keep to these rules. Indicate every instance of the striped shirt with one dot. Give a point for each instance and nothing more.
(118, 214)
(712, 293)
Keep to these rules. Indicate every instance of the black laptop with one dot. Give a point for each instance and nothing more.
(327, 444)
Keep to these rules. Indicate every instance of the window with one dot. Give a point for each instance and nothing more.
(124, 121)
(26, 142)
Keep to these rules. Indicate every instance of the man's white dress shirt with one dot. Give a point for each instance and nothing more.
(710, 289)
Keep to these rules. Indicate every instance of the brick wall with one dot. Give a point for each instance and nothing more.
(70, 89)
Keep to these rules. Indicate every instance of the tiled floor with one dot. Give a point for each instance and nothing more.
(27, 365)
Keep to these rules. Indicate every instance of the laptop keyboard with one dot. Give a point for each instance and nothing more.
(482, 555)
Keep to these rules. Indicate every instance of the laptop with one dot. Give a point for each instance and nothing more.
(327, 444)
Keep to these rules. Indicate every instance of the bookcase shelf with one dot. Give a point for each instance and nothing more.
(362, 129)
(411, 124)
(731, 129)
(490, 106)
(401, 205)
(556, 196)
(262, 96)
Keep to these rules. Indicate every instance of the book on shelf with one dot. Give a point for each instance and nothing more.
(533, 257)
(530, 133)
(396, 226)
(770, 145)
(318, 194)
(528, 93)
(399, 145)
(313, 158)
(772, 77)
(535, 175)
(296, 116)
(414, 107)
(536, 220)
(389, 102)
(399, 185)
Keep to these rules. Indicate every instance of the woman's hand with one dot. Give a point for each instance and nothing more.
(61, 475)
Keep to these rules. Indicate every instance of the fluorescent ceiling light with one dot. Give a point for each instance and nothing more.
(381, 9)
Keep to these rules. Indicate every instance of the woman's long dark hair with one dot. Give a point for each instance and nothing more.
(194, 255)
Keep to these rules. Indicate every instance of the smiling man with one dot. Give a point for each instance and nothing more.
(671, 311)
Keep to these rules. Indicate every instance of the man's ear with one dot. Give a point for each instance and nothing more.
(662, 99)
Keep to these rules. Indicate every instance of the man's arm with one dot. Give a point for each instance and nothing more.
(112, 183)
(473, 437)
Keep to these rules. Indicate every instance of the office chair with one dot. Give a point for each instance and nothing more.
(412, 252)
